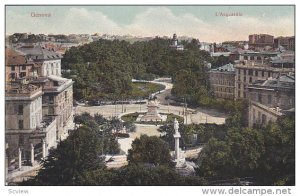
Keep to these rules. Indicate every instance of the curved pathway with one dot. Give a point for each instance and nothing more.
(196, 116)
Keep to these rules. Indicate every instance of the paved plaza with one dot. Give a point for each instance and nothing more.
(195, 116)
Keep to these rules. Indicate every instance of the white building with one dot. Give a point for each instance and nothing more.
(49, 61)
(175, 44)
(205, 46)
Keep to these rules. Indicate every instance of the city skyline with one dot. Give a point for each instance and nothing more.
(207, 23)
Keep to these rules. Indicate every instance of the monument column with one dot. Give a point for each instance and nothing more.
(176, 137)
(44, 148)
(20, 158)
(32, 154)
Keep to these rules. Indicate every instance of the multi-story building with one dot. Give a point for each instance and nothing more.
(49, 62)
(286, 42)
(39, 105)
(281, 41)
(253, 38)
(222, 81)
(28, 134)
(18, 66)
(260, 57)
(291, 43)
(261, 40)
(58, 102)
(247, 73)
(270, 99)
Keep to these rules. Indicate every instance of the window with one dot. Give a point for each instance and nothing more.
(269, 99)
(45, 99)
(23, 67)
(244, 78)
(244, 71)
(259, 98)
(263, 119)
(21, 139)
(269, 74)
(12, 75)
(20, 109)
(239, 86)
(51, 111)
(21, 126)
(13, 68)
(239, 71)
(250, 79)
(256, 73)
(51, 99)
(22, 74)
(263, 74)
(66, 95)
(250, 72)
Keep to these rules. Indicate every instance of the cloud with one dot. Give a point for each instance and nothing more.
(80, 20)
(153, 21)
(162, 21)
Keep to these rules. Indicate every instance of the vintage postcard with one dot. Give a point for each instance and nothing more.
(160, 95)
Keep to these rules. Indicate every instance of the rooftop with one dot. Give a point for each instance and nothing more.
(226, 68)
(21, 91)
(262, 53)
(13, 57)
(37, 52)
(57, 84)
(262, 66)
(285, 82)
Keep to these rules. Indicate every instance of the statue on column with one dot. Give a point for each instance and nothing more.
(179, 155)
(20, 158)
(32, 154)
(44, 148)
(182, 166)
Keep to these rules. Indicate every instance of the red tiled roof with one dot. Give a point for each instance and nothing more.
(13, 57)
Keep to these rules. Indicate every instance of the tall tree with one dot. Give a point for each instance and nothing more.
(150, 150)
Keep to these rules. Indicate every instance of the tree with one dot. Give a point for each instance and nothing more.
(277, 166)
(246, 150)
(214, 159)
(140, 175)
(79, 153)
(266, 154)
(220, 61)
(150, 150)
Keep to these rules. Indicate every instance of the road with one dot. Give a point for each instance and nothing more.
(196, 116)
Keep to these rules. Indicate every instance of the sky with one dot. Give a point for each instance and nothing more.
(205, 23)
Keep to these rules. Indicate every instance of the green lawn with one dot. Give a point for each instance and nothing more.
(141, 89)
